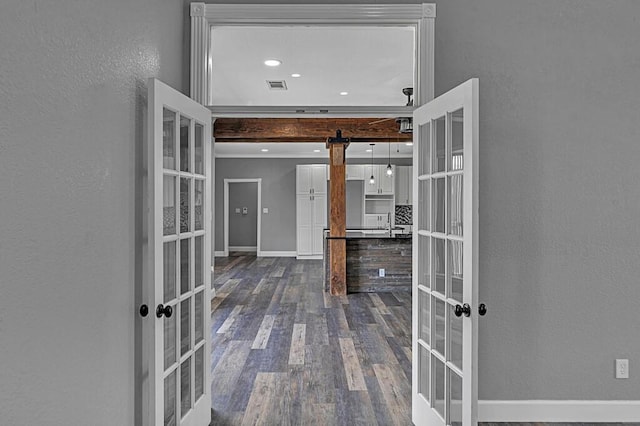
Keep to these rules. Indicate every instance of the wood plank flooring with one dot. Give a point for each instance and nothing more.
(286, 353)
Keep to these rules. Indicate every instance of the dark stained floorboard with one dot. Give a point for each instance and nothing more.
(258, 386)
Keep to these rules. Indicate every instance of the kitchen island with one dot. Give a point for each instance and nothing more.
(369, 251)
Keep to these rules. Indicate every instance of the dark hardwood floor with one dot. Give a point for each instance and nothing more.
(285, 353)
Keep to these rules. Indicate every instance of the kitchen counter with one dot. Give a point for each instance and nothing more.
(369, 251)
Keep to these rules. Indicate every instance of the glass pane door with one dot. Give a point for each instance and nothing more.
(445, 259)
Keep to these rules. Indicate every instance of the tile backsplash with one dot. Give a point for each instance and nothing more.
(404, 215)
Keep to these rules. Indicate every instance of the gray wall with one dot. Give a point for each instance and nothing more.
(243, 228)
(73, 87)
(559, 194)
(278, 195)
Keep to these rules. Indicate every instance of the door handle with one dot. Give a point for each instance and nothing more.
(464, 309)
(144, 310)
(167, 311)
(482, 309)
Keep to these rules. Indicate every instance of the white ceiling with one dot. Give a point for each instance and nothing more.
(306, 150)
(372, 64)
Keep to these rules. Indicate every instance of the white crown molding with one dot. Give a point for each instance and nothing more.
(559, 411)
(422, 16)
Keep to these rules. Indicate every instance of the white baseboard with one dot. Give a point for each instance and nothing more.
(559, 411)
(264, 253)
(310, 256)
(243, 248)
(219, 253)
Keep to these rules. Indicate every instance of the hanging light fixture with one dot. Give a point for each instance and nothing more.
(389, 168)
(372, 180)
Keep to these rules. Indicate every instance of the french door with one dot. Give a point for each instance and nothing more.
(178, 289)
(445, 259)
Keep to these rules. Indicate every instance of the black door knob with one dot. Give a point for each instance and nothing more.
(144, 310)
(464, 309)
(482, 309)
(167, 311)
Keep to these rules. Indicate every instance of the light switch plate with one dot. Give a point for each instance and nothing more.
(265, 210)
(237, 209)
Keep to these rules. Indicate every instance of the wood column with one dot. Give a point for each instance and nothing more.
(337, 218)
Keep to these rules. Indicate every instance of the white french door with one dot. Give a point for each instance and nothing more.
(445, 259)
(178, 291)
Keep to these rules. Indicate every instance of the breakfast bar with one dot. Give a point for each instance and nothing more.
(377, 261)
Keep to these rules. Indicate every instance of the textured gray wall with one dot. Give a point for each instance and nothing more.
(73, 86)
(243, 229)
(559, 194)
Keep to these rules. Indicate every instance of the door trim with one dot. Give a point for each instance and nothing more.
(225, 210)
(204, 16)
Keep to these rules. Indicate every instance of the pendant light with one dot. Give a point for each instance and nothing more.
(389, 168)
(372, 180)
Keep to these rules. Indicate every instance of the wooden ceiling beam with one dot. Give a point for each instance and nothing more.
(306, 129)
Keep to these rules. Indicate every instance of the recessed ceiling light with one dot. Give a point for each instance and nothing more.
(295, 75)
(264, 150)
(316, 150)
(367, 150)
(344, 93)
(272, 62)
(409, 144)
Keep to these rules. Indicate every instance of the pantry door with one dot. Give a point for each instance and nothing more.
(178, 290)
(445, 259)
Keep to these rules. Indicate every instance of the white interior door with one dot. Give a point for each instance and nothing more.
(445, 258)
(178, 289)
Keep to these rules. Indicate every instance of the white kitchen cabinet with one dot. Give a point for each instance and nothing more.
(311, 209)
(311, 179)
(376, 221)
(404, 187)
(384, 184)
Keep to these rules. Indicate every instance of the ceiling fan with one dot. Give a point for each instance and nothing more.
(406, 123)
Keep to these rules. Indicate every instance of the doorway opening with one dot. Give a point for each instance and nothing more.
(242, 215)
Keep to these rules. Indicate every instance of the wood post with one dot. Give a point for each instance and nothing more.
(337, 218)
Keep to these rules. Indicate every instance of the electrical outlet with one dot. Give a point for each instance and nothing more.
(622, 368)
(381, 272)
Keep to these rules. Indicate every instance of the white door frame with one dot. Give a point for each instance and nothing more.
(226, 213)
(205, 16)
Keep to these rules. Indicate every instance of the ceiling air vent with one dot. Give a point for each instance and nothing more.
(277, 84)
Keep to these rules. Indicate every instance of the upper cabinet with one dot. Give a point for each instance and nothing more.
(311, 179)
(383, 183)
(404, 187)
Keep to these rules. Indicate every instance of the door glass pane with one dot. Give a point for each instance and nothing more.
(455, 404)
(170, 399)
(439, 158)
(198, 213)
(439, 319)
(169, 341)
(455, 270)
(185, 200)
(199, 149)
(423, 384)
(424, 149)
(439, 264)
(169, 271)
(184, 265)
(185, 387)
(438, 379)
(199, 261)
(185, 325)
(169, 205)
(185, 154)
(455, 204)
(424, 264)
(424, 199)
(457, 141)
(199, 373)
(438, 204)
(199, 317)
(168, 139)
(455, 339)
(425, 319)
